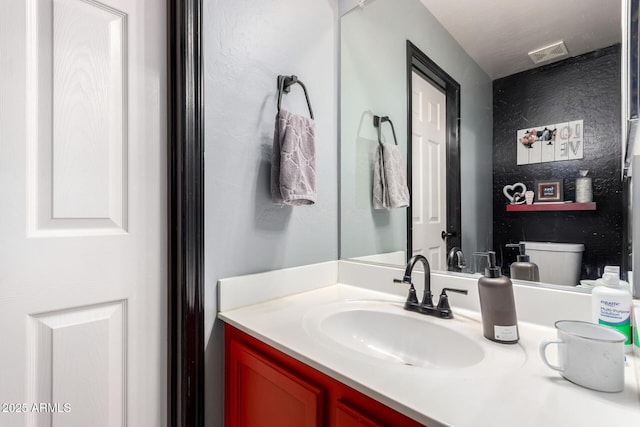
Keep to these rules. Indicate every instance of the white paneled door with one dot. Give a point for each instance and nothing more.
(82, 213)
(429, 170)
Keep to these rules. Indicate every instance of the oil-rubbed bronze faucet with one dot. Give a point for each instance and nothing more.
(443, 309)
(455, 259)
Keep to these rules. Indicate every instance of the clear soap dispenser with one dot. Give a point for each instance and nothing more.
(523, 268)
(497, 304)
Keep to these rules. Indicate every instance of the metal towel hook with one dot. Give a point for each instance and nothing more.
(284, 85)
(377, 123)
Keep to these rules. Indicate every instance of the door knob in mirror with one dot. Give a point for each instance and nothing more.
(447, 234)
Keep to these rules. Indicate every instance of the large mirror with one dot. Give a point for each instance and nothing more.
(490, 101)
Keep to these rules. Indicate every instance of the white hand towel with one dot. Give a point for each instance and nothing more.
(293, 162)
(389, 180)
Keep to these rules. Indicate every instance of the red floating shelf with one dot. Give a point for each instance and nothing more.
(589, 206)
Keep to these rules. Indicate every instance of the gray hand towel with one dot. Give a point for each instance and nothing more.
(389, 182)
(293, 162)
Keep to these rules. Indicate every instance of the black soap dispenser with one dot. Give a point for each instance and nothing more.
(523, 268)
(497, 304)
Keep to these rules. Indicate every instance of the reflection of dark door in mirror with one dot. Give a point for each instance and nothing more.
(418, 62)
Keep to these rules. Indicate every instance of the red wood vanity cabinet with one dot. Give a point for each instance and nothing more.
(266, 388)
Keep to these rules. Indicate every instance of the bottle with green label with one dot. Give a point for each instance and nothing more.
(611, 306)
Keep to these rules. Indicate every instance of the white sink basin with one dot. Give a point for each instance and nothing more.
(384, 331)
(402, 339)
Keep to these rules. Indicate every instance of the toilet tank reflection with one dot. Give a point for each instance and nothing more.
(558, 263)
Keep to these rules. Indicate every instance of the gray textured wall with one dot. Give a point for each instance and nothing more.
(373, 81)
(585, 87)
(247, 43)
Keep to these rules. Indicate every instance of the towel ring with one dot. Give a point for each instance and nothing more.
(377, 123)
(284, 85)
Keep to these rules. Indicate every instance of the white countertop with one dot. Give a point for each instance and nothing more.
(526, 393)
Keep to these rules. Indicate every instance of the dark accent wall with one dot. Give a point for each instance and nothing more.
(585, 87)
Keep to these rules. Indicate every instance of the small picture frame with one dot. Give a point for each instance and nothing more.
(549, 190)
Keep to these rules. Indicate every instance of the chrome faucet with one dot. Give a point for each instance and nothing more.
(443, 309)
(455, 259)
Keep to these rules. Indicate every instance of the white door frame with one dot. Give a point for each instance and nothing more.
(422, 64)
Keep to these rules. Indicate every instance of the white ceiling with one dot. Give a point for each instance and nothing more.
(498, 34)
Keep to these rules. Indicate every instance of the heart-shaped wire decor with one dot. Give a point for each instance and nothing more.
(515, 197)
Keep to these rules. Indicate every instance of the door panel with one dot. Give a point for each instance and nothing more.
(89, 106)
(264, 395)
(77, 79)
(348, 416)
(429, 171)
(83, 223)
(93, 379)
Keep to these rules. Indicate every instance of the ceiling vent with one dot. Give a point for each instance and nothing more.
(549, 53)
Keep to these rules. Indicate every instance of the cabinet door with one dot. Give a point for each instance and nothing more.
(349, 416)
(261, 394)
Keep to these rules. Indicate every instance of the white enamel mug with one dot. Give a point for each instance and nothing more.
(589, 355)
